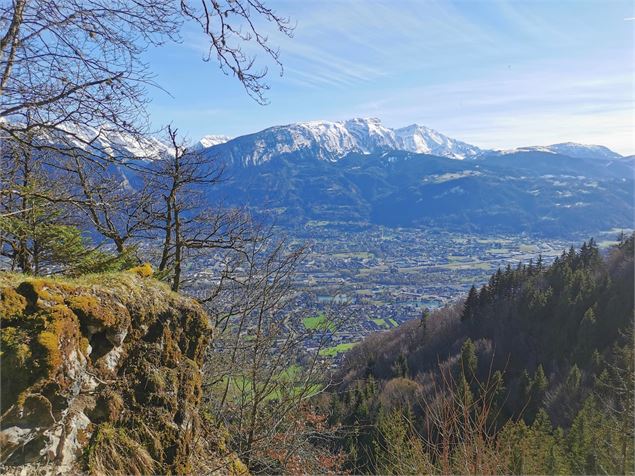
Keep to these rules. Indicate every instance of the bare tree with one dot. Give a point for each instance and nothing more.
(116, 209)
(458, 434)
(73, 82)
(72, 73)
(73, 89)
(264, 366)
(186, 228)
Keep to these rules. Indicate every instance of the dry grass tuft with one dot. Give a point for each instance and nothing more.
(112, 451)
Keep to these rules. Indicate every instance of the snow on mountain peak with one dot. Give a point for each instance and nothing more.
(423, 140)
(571, 149)
(212, 140)
(103, 141)
(584, 150)
(332, 140)
(324, 140)
(327, 140)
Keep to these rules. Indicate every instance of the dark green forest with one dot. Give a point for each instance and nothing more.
(531, 374)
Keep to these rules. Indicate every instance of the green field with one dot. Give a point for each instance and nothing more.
(242, 386)
(318, 322)
(414, 269)
(353, 254)
(393, 322)
(382, 268)
(380, 322)
(291, 372)
(336, 349)
(460, 258)
(485, 241)
(457, 265)
(364, 292)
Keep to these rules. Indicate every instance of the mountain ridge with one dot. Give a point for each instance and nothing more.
(333, 140)
(321, 139)
(533, 192)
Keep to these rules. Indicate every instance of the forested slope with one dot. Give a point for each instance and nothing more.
(532, 374)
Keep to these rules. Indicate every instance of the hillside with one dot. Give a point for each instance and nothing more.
(534, 372)
(525, 191)
(102, 375)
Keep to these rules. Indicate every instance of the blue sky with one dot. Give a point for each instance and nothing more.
(493, 73)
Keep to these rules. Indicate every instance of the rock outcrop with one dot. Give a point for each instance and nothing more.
(102, 375)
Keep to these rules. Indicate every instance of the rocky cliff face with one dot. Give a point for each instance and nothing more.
(103, 375)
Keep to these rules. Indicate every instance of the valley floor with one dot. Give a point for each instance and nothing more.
(381, 277)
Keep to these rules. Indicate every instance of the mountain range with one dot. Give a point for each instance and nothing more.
(331, 141)
(358, 172)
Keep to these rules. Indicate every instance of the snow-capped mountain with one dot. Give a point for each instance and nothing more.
(570, 149)
(103, 142)
(315, 140)
(361, 172)
(423, 140)
(212, 140)
(322, 140)
(128, 146)
(331, 141)
(586, 151)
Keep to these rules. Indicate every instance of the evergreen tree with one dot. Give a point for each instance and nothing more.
(469, 361)
(587, 332)
(574, 378)
(525, 387)
(538, 390)
(540, 382)
(483, 296)
(471, 305)
(400, 367)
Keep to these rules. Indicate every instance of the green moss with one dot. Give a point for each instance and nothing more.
(156, 382)
(237, 467)
(83, 345)
(50, 343)
(108, 407)
(12, 304)
(88, 307)
(49, 291)
(35, 340)
(16, 374)
(144, 270)
(54, 320)
(15, 344)
(61, 335)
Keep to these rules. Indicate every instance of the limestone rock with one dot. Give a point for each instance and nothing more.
(103, 375)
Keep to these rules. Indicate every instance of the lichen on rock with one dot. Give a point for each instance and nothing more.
(102, 375)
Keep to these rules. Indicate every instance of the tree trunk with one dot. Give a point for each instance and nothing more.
(167, 241)
(178, 250)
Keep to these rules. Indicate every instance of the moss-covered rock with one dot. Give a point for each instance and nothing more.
(12, 303)
(103, 375)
